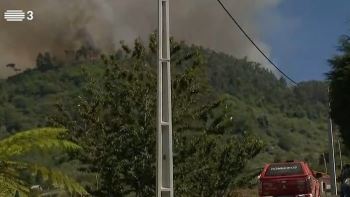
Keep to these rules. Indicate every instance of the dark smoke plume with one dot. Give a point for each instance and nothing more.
(67, 24)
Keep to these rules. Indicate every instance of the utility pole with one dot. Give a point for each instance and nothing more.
(325, 163)
(331, 152)
(164, 172)
(340, 155)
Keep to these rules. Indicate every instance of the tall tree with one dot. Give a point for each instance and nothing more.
(23, 143)
(339, 86)
(115, 124)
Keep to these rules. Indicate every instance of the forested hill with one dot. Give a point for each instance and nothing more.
(292, 120)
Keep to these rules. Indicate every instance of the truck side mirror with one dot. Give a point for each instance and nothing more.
(318, 175)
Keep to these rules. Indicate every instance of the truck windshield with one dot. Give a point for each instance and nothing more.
(284, 169)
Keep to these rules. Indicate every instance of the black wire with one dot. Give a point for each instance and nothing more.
(255, 44)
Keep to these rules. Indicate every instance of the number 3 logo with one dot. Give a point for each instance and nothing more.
(30, 15)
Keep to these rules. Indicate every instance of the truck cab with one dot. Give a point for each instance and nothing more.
(289, 179)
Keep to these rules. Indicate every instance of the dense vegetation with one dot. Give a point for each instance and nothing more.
(339, 78)
(226, 112)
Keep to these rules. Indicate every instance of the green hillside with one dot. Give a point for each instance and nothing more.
(291, 120)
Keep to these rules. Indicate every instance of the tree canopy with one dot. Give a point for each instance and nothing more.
(339, 89)
(115, 125)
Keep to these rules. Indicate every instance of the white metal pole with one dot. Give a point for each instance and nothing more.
(331, 154)
(325, 164)
(340, 155)
(164, 171)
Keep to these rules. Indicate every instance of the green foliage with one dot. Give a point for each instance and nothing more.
(339, 78)
(262, 104)
(22, 143)
(286, 143)
(115, 125)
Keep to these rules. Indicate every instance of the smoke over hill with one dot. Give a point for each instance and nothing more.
(66, 24)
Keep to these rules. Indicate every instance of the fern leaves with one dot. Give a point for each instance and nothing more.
(20, 144)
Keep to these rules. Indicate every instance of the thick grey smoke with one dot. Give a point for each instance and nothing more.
(66, 24)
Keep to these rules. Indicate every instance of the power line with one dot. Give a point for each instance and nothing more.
(234, 20)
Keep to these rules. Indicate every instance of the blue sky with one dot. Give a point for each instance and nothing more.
(304, 43)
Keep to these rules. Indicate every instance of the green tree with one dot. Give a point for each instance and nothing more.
(25, 142)
(339, 78)
(115, 125)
